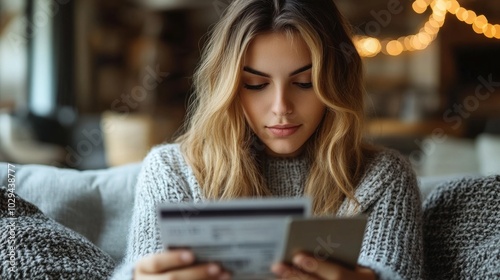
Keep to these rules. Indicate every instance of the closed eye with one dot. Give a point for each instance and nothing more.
(304, 85)
(255, 87)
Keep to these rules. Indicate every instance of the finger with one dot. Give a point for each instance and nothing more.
(199, 272)
(321, 268)
(162, 262)
(284, 271)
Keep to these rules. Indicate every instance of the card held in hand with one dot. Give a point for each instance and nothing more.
(327, 239)
(244, 236)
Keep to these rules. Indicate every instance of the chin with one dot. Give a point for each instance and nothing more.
(284, 151)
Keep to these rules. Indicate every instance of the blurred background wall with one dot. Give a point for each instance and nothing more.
(90, 84)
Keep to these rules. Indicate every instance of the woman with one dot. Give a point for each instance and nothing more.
(279, 112)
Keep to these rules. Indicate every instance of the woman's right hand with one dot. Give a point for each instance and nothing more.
(177, 264)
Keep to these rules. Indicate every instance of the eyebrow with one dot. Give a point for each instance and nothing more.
(256, 72)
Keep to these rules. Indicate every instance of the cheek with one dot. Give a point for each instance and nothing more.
(251, 109)
(315, 117)
(314, 110)
(320, 115)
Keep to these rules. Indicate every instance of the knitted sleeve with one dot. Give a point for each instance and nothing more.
(159, 181)
(392, 245)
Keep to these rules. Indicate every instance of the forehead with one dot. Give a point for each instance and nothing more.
(277, 50)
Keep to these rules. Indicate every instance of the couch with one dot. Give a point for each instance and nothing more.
(97, 203)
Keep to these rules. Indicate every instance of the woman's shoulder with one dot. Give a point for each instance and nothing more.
(167, 159)
(387, 173)
(165, 166)
(166, 154)
(387, 161)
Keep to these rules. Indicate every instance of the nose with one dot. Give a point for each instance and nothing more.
(282, 104)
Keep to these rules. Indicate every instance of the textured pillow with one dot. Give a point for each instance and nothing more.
(462, 230)
(95, 203)
(44, 249)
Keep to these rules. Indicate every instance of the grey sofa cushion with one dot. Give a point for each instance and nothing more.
(462, 229)
(450, 157)
(95, 203)
(33, 246)
(488, 151)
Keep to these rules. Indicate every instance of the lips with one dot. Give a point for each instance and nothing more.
(283, 130)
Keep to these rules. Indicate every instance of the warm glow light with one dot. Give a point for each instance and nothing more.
(420, 4)
(439, 13)
(480, 21)
(471, 17)
(408, 44)
(424, 38)
(477, 29)
(437, 21)
(439, 8)
(401, 40)
(441, 5)
(462, 14)
(418, 9)
(490, 31)
(433, 22)
(369, 46)
(394, 48)
(433, 36)
(415, 43)
(430, 29)
(437, 17)
(454, 6)
(497, 32)
(448, 5)
(357, 43)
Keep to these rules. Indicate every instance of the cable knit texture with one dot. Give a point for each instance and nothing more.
(44, 249)
(462, 229)
(388, 194)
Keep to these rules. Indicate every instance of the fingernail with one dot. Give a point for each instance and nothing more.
(187, 257)
(213, 269)
(278, 269)
(304, 262)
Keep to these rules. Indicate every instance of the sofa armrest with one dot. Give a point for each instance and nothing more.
(449, 157)
(428, 183)
(95, 203)
(488, 150)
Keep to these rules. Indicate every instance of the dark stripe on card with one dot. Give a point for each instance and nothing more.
(225, 213)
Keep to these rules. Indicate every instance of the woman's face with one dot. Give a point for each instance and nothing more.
(277, 95)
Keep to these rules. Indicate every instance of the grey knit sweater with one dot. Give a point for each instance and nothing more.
(388, 194)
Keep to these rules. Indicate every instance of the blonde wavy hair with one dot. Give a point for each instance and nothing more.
(217, 142)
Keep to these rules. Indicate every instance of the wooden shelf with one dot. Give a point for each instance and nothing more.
(399, 128)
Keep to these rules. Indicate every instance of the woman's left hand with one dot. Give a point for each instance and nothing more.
(309, 268)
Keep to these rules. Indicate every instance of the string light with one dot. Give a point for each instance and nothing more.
(479, 24)
(370, 46)
(366, 45)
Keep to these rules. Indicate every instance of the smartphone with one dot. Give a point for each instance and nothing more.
(333, 239)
